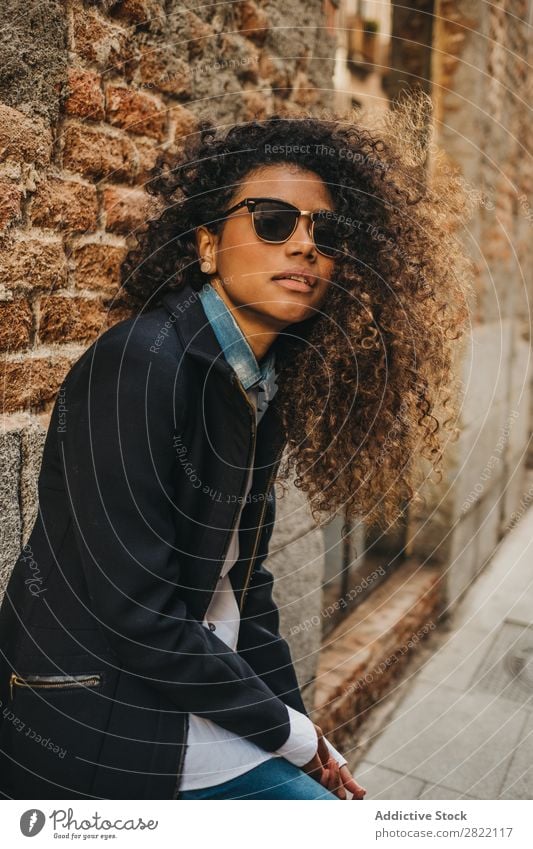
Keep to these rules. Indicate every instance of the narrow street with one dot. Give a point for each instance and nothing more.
(462, 727)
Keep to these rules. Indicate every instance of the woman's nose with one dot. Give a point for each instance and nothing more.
(302, 237)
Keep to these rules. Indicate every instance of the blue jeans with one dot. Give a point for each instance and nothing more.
(273, 779)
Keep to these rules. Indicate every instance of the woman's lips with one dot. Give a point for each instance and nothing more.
(295, 285)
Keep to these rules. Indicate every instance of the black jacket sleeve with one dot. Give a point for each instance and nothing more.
(123, 406)
(260, 642)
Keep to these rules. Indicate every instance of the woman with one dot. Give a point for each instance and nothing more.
(292, 298)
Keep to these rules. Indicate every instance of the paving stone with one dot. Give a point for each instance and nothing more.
(455, 662)
(460, 740)
(382, 783)
(518, 782)
(437, 791)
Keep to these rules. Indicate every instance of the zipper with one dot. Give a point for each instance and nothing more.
(256, 543)
(263, 509)
(53, 681)
(251, 410)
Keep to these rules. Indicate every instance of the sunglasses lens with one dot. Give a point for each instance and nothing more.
(273, 221)
(328, 236)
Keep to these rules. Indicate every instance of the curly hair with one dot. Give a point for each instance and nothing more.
(365, 385)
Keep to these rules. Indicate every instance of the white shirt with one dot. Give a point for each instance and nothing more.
(215, 755)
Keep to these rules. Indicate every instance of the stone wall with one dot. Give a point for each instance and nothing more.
(90, 92)
(482, 85)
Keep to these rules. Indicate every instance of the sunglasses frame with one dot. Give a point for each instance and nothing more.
(250, 204)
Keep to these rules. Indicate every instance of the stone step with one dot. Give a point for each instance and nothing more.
(370, 648)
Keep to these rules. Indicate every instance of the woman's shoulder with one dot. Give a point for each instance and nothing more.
(131, 348)
(149, 332)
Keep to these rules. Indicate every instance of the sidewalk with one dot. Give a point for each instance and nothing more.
(462, 727)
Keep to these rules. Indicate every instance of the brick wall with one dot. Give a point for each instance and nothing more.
(482, 86)
(90, 92)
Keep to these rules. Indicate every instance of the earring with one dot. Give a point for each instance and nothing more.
(205, 266)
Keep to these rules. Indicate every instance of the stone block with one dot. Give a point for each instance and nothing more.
(10, 203)
(96, 265)
(16, 322)
(32, 264)
(85, 98)
(33, 437)
(97, 154)
(461, 563)
(127, 210)
(485, 370)
(298, 568)
(10, 521)
(381, 783)
(136, 112)
(100, 42)
(518, 780)
(515, 492)
(71, 319)
(461, 740)
(33, 380)
(23, 139)
(64, 205)
(520, 397)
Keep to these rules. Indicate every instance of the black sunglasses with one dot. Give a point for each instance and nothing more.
(276, 220)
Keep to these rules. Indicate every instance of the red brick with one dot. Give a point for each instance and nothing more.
(161, 71)
(10, 203)
(273, 69)
(65, 205)
(32, 264)
(127, 210)
(85, 97)
(286, 108)
(147, 153)
(255, 105)
(304, 93)
(32, 381)
(95, 153)
(184, 123)
(68, 319)
(100, 42)
(137, 112)
(97, 266)
(236, 54)
(251, 20)
(23, 139)
(198, 34)
(139, 11)
(16, 320)
(119, 311)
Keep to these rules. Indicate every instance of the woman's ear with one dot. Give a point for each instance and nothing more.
(206, 245)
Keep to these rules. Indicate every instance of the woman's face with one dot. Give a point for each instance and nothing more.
(247, 266)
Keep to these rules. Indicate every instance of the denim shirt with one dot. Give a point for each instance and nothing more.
(237, 350)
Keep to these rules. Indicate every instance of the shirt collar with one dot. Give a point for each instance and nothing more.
(234, 344)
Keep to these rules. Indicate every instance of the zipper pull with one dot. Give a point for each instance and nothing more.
(11, 680)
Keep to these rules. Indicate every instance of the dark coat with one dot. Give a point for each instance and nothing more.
(103, 650)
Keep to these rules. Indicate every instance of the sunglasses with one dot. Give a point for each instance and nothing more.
(276, 220)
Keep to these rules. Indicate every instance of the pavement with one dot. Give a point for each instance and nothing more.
(461, 723)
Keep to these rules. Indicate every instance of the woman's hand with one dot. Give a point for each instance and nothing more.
(325, 769)
(340, 781)
(350, 784)
(317, 766)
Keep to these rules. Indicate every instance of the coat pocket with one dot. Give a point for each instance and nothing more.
(57, 682)
(52, 733)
